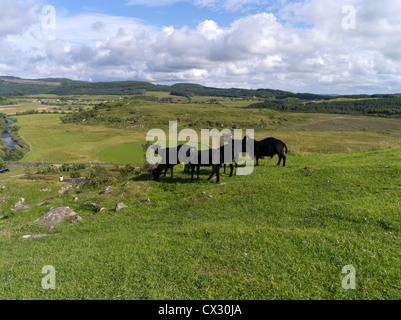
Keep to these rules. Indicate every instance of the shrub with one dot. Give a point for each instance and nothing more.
(75, 174)
(127, 170)
(14, 154)
(99, 176)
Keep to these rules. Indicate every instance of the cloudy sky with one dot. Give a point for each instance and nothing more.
(318, 46)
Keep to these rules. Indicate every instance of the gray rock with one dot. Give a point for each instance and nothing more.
(55, 215)
(120, 206)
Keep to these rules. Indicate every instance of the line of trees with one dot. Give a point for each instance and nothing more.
(384, 106)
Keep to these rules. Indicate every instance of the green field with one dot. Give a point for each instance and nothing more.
(279, 233)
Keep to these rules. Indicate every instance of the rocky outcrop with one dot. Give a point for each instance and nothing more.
(54, 216)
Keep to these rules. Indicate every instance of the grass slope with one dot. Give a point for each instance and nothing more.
(280, 233)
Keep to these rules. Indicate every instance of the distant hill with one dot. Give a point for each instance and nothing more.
(14, 86)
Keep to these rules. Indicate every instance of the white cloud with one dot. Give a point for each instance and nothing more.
(16, 17)
(258, 50)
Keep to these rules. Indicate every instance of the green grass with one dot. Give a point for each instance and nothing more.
(125, 153)
(281, 233)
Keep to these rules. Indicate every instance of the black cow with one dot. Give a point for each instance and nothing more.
(166, 163)
(268, 147)
(230, 162)
(234, 153)
(206, 158)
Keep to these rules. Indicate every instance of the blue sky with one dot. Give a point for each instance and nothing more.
(178, 13)
(331, 46)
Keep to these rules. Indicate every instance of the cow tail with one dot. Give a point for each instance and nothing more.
(286, 150)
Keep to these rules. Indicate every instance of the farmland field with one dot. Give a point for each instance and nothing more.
(279, 233)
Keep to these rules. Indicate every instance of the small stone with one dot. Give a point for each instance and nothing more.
(120, 206)
(107, 190)
(20, 206)
(192, 214)
(75, 199)
(33, 236)
(66, 188)
(74, 219)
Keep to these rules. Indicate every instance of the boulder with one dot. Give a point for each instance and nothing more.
(54, 216)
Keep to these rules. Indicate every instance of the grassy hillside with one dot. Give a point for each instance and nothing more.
(281, 233)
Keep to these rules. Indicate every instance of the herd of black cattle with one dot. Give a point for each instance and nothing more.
(268, 147)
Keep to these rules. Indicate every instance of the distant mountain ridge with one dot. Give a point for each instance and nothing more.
(15, 86)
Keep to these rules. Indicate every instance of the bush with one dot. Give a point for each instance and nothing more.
(14, 154)
(127, 170)
(99, 176)
(75, 174)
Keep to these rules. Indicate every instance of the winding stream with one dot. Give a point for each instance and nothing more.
(6, 136)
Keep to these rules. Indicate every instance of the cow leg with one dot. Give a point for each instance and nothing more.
(218, 173)
(211, 175)
(279, 159)
(192, 175)
(284, 158)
